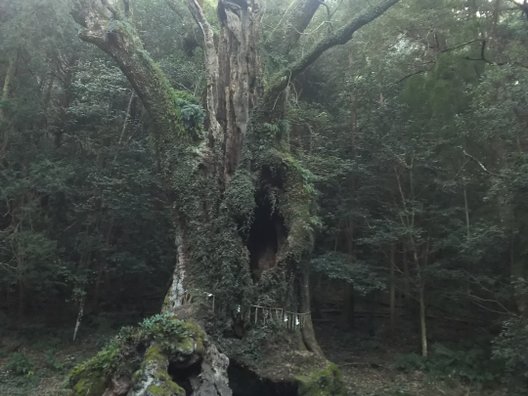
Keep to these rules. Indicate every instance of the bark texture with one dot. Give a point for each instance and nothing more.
(244, 207)
(6, 87)
(297, 19)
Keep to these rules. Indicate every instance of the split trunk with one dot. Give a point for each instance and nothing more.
(243, 205)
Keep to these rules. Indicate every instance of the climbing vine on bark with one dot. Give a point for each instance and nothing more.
(243, 205)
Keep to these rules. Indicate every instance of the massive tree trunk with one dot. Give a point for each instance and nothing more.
(243, 205)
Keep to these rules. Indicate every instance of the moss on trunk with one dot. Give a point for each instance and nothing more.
(230, 185)
(142, 355)
(153, 379)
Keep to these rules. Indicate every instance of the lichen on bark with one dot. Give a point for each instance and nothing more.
(228, 181)
(140, 357)
(153, 379)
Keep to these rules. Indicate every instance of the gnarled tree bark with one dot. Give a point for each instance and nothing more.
(243, 208)
(297, 19)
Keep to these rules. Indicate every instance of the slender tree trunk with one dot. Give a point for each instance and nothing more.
(80, 315)
(518, 271)
(6, 89)
(392, 289)
(466, 211)
(307, 329)
(21, 298)
(20, 284)
(97, 287)
(421, 297)
(406, 275)
(126, 120)
(423, 320)
(8, 79)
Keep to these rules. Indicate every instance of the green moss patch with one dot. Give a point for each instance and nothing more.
(325, 382)
(153, 342)
(154, 372)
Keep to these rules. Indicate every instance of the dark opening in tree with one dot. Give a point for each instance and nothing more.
(265, 236)
(184, 376)
(209, 167)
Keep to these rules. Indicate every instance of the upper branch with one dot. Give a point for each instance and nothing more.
(212, 67)
(105, 26)
(342, 36)
(522, 6)
(298, 18)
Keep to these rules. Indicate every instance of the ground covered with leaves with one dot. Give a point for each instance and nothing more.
(370, 367)
(37, 360)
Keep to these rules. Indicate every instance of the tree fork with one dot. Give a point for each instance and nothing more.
(204, 173)
(342, 36)
(298, 17)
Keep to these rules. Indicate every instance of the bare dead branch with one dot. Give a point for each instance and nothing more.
(480, 164)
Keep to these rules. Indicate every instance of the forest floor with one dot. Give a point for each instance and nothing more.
(36, 360)
(370, 367)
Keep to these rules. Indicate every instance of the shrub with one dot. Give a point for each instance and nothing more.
(19, 364)
(471, 365)
(509, 349)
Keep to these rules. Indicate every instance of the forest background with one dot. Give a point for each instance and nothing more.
(414, 135)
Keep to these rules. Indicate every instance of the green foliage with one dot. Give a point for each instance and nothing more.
(339, 266)
(323, 382)
(52, 361)
(240, 198)
(509, 349)
(256, 341)
(79, 192)
(173, 336)
(19, 364)
(192, 115)
(423, 153)
(276, 131)
(102, 365)
(122, 356)
(469, 365)
(91, 94)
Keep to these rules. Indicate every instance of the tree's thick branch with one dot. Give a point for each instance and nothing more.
(212, 67)
(106, 27)
(342, 36)
(297, 20)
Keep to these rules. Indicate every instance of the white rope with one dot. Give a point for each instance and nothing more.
(258, 314)
(289, 319)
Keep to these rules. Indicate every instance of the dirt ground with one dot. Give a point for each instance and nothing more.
(369, 369)
(44, 356)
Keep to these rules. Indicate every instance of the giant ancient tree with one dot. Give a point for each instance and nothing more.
(243, 205)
